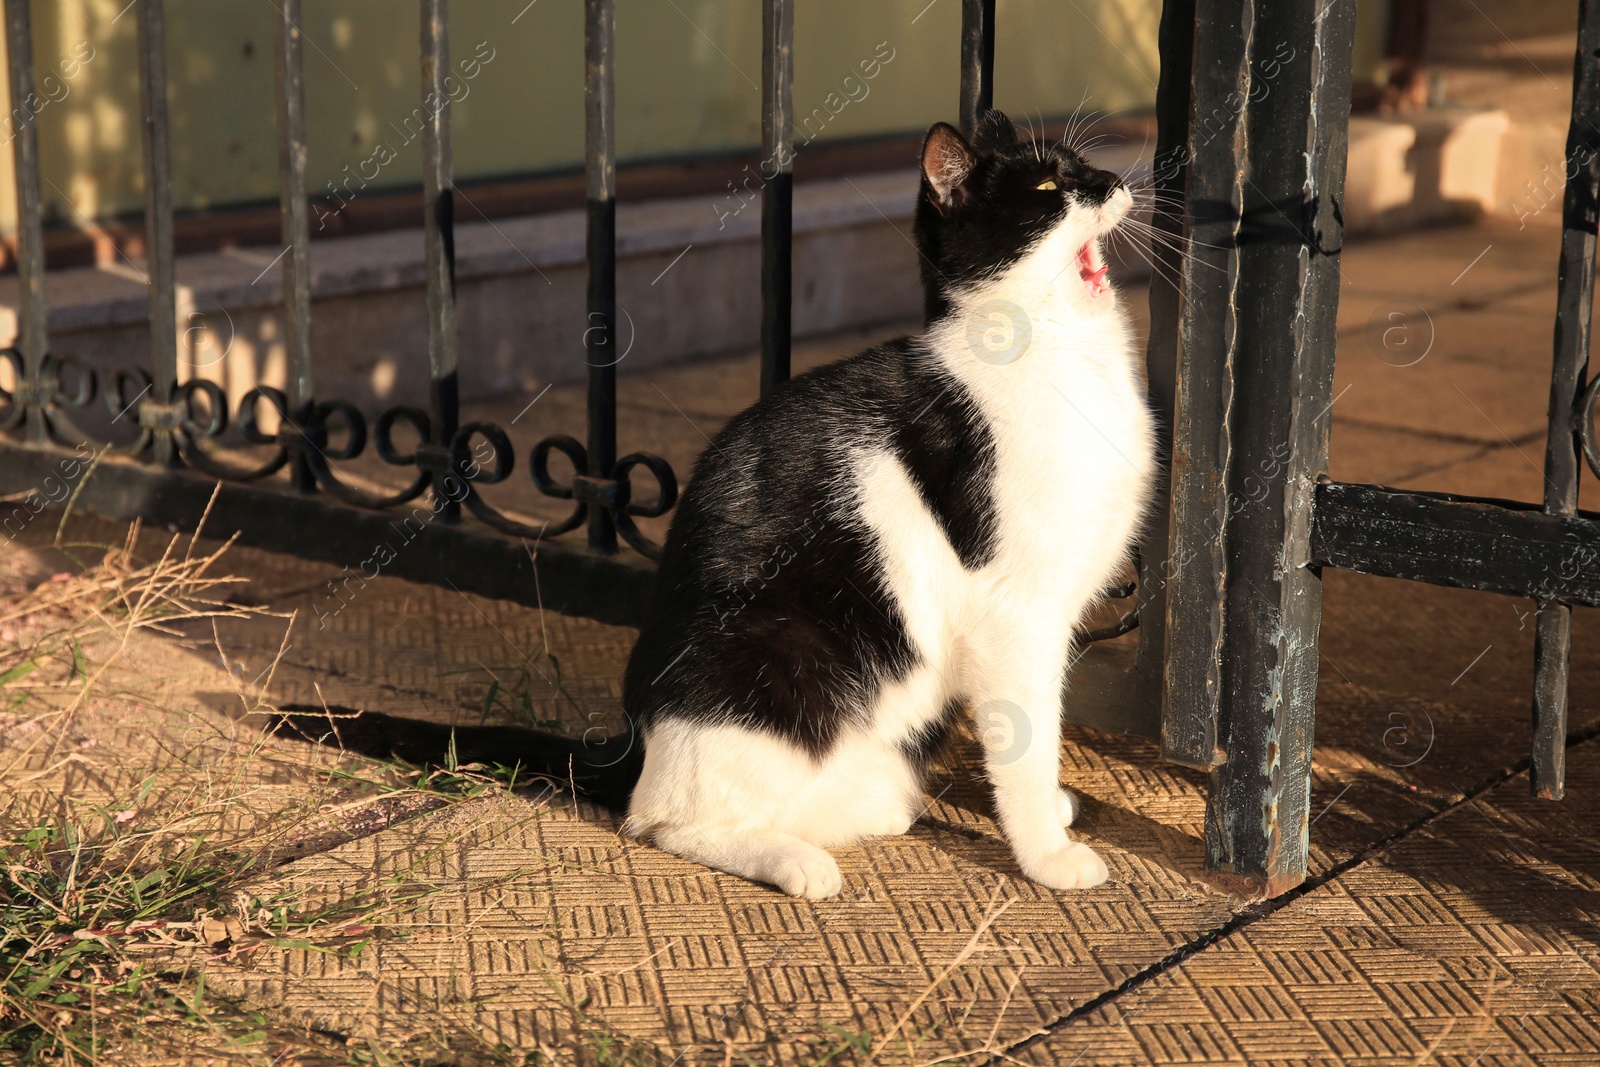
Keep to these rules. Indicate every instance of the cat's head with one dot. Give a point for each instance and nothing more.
(999, 212)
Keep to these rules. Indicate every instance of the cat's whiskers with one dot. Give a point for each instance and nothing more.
(1081, 129)
(1176, 241)
(1146, 193)
(1144, 237)
(1173, 243)
(1098, 141)
(1158, 268)
(1033, 138)
(1072, 121)
(1078, 135)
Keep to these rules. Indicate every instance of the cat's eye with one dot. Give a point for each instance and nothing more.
(1046, 185)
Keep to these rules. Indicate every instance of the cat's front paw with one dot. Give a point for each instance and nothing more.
(813, 875)
(1077, 866)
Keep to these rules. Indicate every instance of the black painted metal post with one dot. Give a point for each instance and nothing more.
(977, 61)
(777, 189)
(599, 335)
(33, 335)
(294, 208)
(1574, 307)
(158, 229)
(1292, 164)
(1195, 569)
(1169, 179)
(439, 246)
(1139, 689)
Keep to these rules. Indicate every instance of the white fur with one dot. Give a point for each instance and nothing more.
(1074, 457)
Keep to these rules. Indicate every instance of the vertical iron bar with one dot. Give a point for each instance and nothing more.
(1170, 177)
(777, 191)
(977, 62)
(600, 168)
(33, 336)
(1552, 654)
(294, 209)
(1293, 165)
(439, 237)
(1195, 567)
(158, 218)
(1574, 305)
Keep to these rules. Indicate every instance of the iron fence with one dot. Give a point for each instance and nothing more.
(1243, 309)
(1253, 109)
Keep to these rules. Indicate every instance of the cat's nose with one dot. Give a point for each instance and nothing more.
(1101, 185)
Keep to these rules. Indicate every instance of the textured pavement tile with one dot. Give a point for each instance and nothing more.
(1477, 937)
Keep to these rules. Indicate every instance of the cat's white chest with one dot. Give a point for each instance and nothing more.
(1073, 451)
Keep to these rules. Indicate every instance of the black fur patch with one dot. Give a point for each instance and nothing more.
(949, 452)
(770, 609)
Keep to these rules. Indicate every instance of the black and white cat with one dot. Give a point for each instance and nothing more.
(893, 537)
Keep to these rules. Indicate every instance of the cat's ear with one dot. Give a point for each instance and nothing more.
(994, 132)
(947, 162)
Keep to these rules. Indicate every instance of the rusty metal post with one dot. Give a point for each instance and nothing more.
(1291, 166)
(1574, 310)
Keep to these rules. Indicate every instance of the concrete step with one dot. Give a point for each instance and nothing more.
(688, 275)
(1427, 168)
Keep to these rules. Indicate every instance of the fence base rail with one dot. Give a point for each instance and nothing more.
(1496, 546)
(558, 575)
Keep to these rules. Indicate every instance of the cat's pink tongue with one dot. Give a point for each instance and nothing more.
(1094, 278)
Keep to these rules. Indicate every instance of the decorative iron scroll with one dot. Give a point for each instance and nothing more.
(175, 427)
(1129, 620)
(47, 398)
(1586, 413)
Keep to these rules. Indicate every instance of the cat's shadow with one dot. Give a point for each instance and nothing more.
(1107, 822)
(959, 820)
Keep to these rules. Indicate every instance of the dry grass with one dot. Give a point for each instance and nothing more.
(142, 839)
(123, 875)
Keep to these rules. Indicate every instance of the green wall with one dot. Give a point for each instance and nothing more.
(687, 72)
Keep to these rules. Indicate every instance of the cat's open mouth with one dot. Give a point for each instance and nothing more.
(1092, 269)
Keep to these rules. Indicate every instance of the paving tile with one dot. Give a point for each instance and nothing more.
(1455, 376)
(1420, 971)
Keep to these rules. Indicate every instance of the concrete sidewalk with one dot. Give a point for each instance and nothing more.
(1449, 918)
